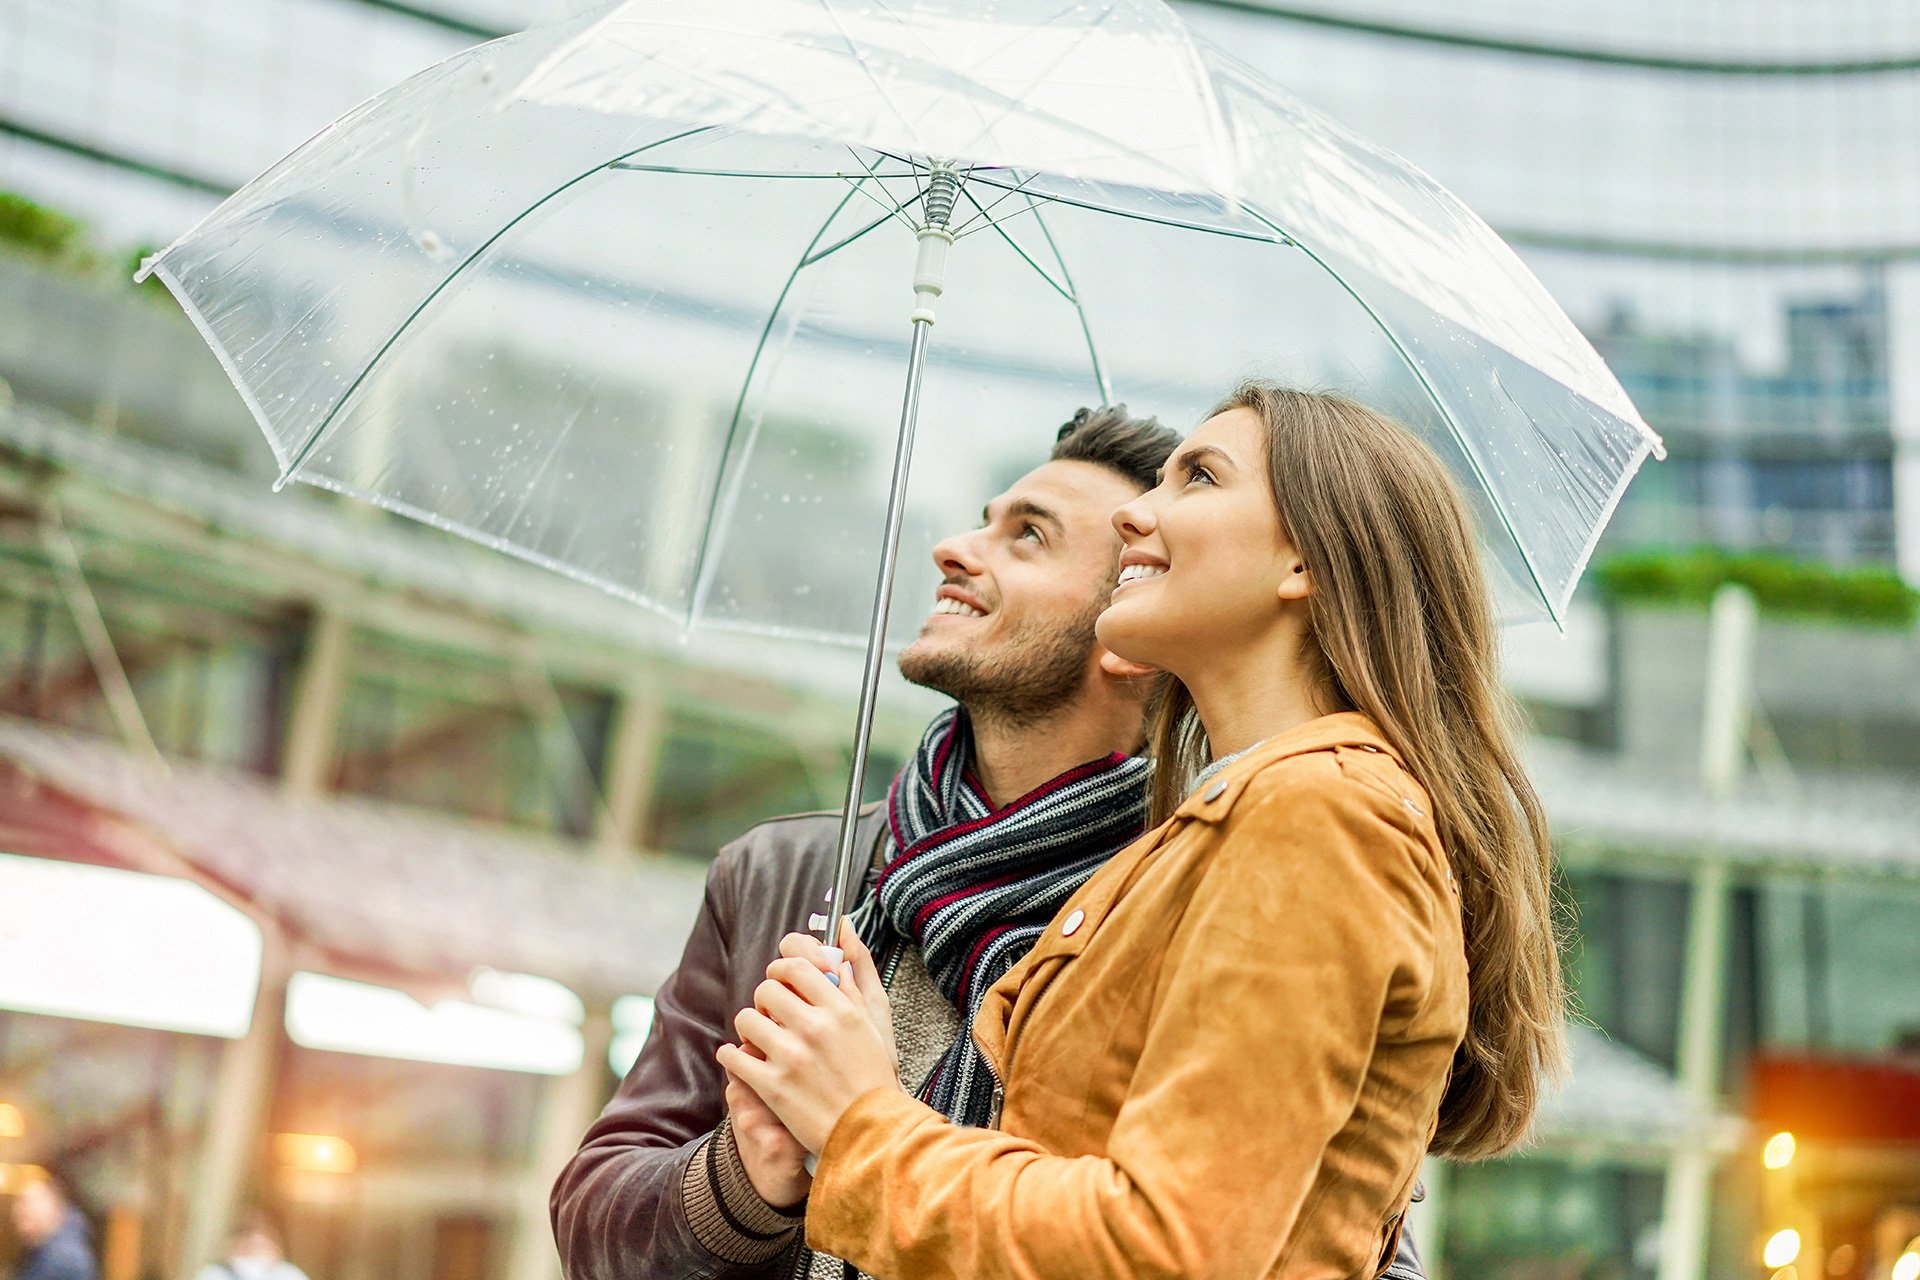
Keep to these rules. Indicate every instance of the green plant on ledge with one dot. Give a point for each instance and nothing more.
(42, 232)
(61, 241)
(1872, 595)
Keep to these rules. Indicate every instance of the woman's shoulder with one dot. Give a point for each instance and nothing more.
(1340, 787)
(1340, 761)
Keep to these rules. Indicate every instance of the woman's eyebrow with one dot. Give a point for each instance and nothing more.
(1197, 454)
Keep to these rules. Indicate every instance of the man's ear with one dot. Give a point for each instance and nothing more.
(1118, 667)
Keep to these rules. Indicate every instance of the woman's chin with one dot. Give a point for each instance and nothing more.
(1118, 633)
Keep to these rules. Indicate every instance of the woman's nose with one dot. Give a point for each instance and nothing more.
(1134, 520)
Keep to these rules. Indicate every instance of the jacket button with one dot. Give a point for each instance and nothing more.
(1072, 923)
(1214, 792)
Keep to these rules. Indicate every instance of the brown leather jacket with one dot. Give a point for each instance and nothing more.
(620, 1211)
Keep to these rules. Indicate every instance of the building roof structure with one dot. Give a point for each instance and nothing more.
(1605, 810)
(370, 887)
(1617, 1098)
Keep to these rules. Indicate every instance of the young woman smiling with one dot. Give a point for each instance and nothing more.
(1335, 952)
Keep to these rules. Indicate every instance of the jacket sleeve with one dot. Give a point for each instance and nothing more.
(656, 1191)
(1271, 998)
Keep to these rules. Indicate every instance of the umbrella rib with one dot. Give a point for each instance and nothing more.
(312, 441)
(1086, 329)
(1026, 257)
(1433, 394)
(1278, 236)
(757, 174)
(838, 245)
(900, 206)
(986, 212)
(702, 565)
(853, 47)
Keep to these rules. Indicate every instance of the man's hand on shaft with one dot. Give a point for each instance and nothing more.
(810, 1048)
(771, 1155)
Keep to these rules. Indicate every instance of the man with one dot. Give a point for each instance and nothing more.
(1015, 797)
(53, 1231)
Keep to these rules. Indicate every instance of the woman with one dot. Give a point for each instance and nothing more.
(1335, 953)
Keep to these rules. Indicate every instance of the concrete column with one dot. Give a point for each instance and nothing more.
(632, 772)
(1903, 356)
(1687, 1211)
(571, 1104)
(318, 693)
(1686, 1218)
(236, 1120)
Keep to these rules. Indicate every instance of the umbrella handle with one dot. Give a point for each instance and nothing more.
(835, 957)
(831, 967)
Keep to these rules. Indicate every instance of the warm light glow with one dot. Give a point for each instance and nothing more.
(1782, 1248)
(632, 1019)
(315, 1153)
(12, 1123)
(354, 1017)
(79, 941)
(527, 993)
(14, 1178)
(1907, 1266)
(1779, 1151)
(1786, 1273)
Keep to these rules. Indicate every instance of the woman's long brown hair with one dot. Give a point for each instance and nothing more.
(1402, 629)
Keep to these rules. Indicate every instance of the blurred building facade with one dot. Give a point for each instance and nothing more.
(1724, 196)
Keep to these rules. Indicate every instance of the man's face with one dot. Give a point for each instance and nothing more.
(1011, 632)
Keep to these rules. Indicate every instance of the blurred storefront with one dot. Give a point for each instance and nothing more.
(388, 1028)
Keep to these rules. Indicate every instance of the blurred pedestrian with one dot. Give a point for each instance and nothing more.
(55, 1232)
(254, 1252)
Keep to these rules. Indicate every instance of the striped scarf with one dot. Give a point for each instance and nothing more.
(974, 887)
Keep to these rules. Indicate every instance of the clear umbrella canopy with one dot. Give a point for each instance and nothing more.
(628, 296)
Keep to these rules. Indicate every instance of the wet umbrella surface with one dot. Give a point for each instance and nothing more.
(634, 296)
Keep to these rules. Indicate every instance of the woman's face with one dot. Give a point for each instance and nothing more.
(1205, 569)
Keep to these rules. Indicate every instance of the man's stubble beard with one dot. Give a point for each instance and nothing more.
(1036, 672)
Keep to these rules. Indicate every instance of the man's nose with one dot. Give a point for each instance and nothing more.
(959, 554)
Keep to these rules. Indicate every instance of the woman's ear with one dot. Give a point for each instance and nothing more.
(1121, 669)
(1297, 585)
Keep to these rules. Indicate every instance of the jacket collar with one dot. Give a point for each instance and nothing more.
(1213, 800)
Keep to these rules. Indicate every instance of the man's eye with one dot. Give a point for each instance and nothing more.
(1031, 531)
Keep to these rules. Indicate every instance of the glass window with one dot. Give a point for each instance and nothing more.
(1542, 1219)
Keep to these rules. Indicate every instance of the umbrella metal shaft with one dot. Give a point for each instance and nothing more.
(877, 636)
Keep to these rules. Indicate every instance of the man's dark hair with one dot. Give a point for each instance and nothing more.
(1134, 447)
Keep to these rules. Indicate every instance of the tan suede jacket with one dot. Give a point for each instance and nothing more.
(1225, 1059)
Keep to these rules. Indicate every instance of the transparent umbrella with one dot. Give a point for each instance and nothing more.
(635, 296)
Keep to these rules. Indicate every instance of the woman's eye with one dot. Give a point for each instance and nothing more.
(1199, 474)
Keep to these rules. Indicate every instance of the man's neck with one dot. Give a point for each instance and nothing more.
(1013, 758)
